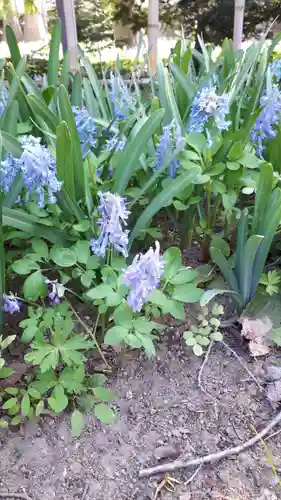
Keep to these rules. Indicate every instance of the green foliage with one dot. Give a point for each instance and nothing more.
(271, 281)
(206, 330)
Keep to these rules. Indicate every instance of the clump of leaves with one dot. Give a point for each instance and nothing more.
(58, 380)
(271, 281)
(206, 330)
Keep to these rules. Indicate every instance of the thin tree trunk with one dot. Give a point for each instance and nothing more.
(66, 13)
(153, 33)
(13, 20)
(239, 8)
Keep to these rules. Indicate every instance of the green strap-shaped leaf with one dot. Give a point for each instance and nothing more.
(174, 189)
(249, 255)
(30, 224)
(129, 159)
(11, 119)
(39, 108)
(64, 79)
(271, 222)
(90, 100)
(211, 294)
(76, 96)
(13, 45)
(64, 158)
(68, 116)
(11, 144)
(263, 194)
(242, 235)
(96, 87)
(54, 57)
(223, 264)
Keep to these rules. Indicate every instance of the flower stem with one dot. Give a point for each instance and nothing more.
(92, 334)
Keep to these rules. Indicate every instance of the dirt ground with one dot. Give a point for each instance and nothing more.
(160, 405)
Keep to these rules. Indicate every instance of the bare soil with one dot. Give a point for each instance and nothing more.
(159, 405)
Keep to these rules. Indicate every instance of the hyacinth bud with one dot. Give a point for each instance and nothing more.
(269, 117)
(38, 168)
(10, 304)
(209, 105)
(143, 276)
(170, 144)
(86, 128)
(114, 215)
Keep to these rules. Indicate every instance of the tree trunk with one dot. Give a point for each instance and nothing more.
(239, 8)
(35, 27)
(153, 33)
(66, 13)
(13, 20)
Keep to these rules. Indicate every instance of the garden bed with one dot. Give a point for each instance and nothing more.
(160, 405)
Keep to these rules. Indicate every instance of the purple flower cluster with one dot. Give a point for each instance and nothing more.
(143, 276)
(86, 128)
(10, 304)
(121, 99)
(206, 105)
(114, 143)
(38, 169)
(114, 214)
(270, 115)
(56, 291)
(275, 68)
(170, 144)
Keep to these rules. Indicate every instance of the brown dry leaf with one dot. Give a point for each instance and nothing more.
(256, 331)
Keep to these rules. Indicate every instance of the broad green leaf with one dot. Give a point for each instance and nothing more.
(99, 292)
(64, 79)
(104, 413)
(185, 275)
(40, 248)
(197, 349)
(82, 250)
(77, 423)
(63, 257)
(6, 372)
(34, 286)
(123, 316)
(147, 344)
(104, 394)
(7, 341)
(187, 293)
(24, 266)
(82, 226)
(159, 299)
(96, 86)
(25, 405)
(176, 309)
(58, 401)
(9, 403)
(42, 111)
(173, 262)
(87, 278)
(113, 299)
(115, 335)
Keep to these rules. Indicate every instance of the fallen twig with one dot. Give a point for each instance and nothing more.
(213, 457)
(200, 378)
(85, 491)
(22, 496)
(243, 364)
(193, 475)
